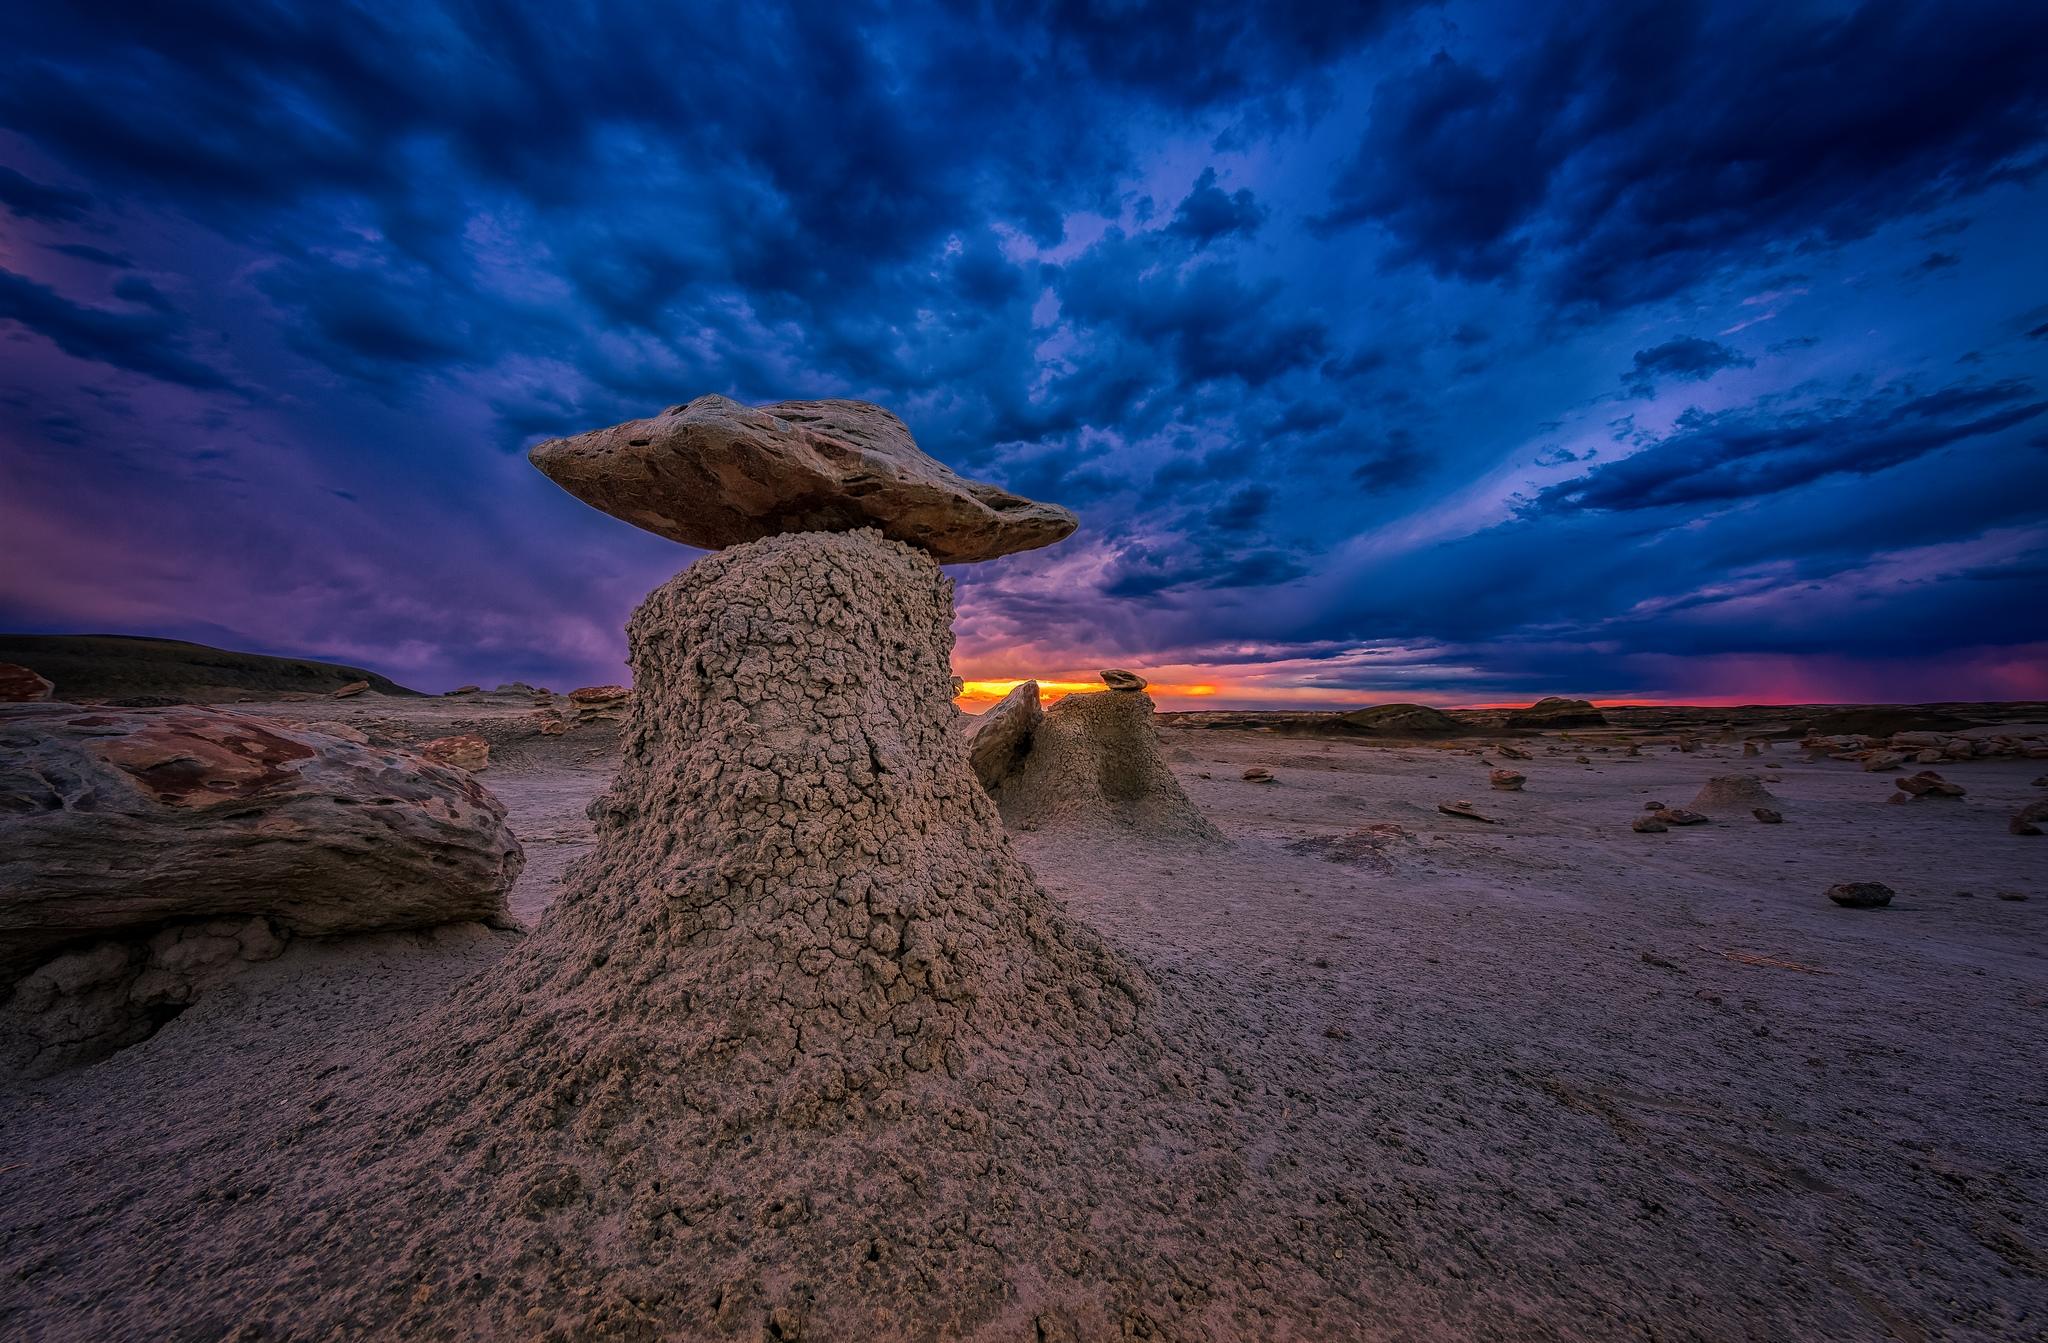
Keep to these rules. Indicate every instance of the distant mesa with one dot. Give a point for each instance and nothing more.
(1884, 721)
(715, 473)
(1400, 720)
(139, 673)
(1556, 711)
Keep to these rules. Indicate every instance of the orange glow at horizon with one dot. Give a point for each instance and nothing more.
(984, 693)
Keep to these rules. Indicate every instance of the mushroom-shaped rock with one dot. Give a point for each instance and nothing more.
(1733, 792)
(715, 473)
(1116, 678)
(19, 685)
(1095, 764)
(1507, 780)
(999, 738)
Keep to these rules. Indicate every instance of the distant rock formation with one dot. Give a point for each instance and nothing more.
(1095, 763)
(1555, 712)
(715, 473)
(1400, 720)
(133, 672)
(122, 830)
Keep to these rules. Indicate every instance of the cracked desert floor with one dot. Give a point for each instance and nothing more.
(1545, 1078)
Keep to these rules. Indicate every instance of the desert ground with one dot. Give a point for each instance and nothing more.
(1542, 1078)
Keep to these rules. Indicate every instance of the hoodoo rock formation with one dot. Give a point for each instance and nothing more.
(1095, 763)
(715, 473)
(801, 1049)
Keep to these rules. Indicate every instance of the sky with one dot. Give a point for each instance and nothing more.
(1456, 353)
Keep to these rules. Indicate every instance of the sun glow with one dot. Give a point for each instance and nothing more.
(975, 695)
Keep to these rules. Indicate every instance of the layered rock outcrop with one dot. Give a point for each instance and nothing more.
(139, 847)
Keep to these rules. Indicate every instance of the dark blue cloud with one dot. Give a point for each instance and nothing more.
(1681, 359)
(1728, 456)
(151, 341)
(1632, 150)
(1208, 213)
(25, 198)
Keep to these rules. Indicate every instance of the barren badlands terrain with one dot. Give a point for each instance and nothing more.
(1545, 1077)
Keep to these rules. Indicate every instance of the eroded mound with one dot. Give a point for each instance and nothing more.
(801, 1050)
(1095, 763)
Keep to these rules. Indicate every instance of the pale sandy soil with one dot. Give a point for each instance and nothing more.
(1520, 1080)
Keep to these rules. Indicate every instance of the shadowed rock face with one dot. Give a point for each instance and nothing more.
(715, 473)
(119, 820)
(1001, 736)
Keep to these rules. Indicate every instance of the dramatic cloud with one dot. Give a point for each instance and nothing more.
(1313, 312)
(1633, 150)
(1728, 456)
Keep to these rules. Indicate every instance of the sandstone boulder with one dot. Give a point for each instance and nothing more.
(140, 842)
(1861, 894)
(465, 690)
(1116, 678)
(1681, 816)
(1929, 784)
(1648, 825)
(353, 688)
(2026, 821)
(466, 751)
(1507, 780)
(114, 820)
(19, 685)
(1001, 736)
(1733, 792)
(715, 473)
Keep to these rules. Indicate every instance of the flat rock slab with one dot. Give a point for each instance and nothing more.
(715, 473)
